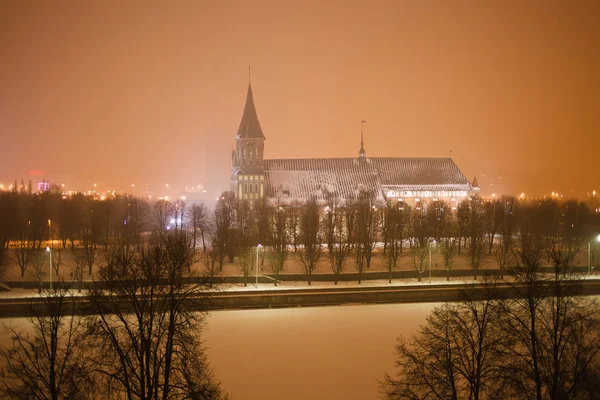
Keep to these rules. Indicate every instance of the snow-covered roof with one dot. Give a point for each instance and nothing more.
(320, 178)
(418, 171)
(345, 178)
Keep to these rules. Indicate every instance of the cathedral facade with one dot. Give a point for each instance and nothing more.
(287, 181)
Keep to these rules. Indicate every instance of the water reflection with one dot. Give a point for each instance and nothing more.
(316, 353)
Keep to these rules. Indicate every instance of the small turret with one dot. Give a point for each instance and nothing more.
(475, 184)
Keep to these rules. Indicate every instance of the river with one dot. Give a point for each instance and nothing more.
(336, 352)
(308, 353)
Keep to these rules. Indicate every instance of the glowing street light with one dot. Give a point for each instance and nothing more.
(590, 253)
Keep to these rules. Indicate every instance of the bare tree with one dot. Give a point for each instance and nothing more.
(263, 213)
(295, 215)
(49, 363)
(143, 338)
(139, 213)
(79, 261)
(224, 223)
(419, 241)
(477, 249)
(39, 267)
(453, 356)
(449, 250)
(395, 220)
(179, 213)
(278, 243)
(57, 259)
(368, 222)
(210, 260)
(344, 229)
(493, 214)
(553, 334)
(246, 262)
(201, 223)
(310, 233)
(503, 250)
(24, 250)
(462, 217)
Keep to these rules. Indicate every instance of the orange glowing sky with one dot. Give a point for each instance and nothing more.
(141, 91)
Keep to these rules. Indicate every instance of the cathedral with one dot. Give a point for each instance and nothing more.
(286, 181)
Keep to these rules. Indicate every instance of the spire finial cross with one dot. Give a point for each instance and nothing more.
(249, 80)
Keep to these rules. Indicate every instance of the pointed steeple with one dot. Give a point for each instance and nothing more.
(362, 153)
(250, 127)
(475, 184)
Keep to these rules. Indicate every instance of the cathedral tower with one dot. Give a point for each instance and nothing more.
(247, 166)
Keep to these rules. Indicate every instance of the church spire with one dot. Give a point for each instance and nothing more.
(362, 153)
(250, 127)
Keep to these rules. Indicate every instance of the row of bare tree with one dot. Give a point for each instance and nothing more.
(140, 338)
(537, 339)
(338, 231)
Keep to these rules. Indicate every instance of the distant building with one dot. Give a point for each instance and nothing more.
(298, 180)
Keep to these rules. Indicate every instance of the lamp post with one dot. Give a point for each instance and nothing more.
(50, 253)
(257, 247)
(590, 254)
(430, 260)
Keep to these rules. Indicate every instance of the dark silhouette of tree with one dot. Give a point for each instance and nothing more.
(395, 220)
(343, 223)
(139, 213)
(368, 222)
(210, 260)
(143, 340)
(453, 356)
(279, 241)
(493, 215)
(462, 217)
(224, 222)
(419, 240)
(438, 213)
(477, 249)
(247, 262)
(310, 234)
(448, 245)
(200, 224)
(263, 213)
(48, 363)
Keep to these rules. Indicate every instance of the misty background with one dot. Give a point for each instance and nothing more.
(147, 92)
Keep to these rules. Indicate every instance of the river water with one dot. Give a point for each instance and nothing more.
(308, 353)
(328, 353)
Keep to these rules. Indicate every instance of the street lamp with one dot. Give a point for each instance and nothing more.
(257, 248)
(430, 259)
(50, 253)
(590, 254)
